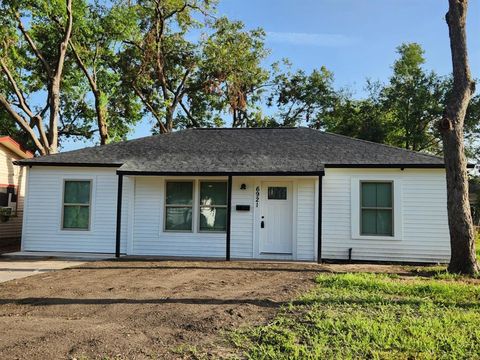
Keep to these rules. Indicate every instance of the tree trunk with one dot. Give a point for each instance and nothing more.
(169, 119)
(101, 110)
(462, 237)
(54, 110)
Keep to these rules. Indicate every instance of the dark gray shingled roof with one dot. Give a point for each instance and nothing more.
(257, 150)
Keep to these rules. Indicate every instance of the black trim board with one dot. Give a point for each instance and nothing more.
(119, 215)
(34, 163)
(229, 217)
(221, 173)
(258, 173)
(319, 234)
(388, 166)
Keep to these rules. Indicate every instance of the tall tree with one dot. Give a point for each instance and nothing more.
(32, 59)
(160, 62)
(363, 119)
(190, 69)
(301, 98)
(231, 69)
(415, 99)
(95, 45)
(462, 237)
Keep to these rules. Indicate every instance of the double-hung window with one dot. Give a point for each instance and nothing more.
(76, 204)
(178, 206)
(213, 206)
(376, 208)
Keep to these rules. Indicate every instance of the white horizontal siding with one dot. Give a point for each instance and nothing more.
(42, 225)
(148, 235)
(425, 236)
(305, 219)
(242, 221)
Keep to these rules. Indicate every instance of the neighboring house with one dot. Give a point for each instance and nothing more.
(283, 194)
(12, 189)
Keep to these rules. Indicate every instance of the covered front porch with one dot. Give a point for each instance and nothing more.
(220, 216)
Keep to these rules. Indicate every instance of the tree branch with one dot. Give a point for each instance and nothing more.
(22, 123)
(189, 114)
(36, 51)
(83, 67)
(150, 108)
(21, 99)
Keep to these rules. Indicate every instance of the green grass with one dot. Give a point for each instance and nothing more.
(368, 316)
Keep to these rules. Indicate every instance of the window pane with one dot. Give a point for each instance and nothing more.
(384, 222)
(213, 193)
(384, 195)
(178, 218)
(77, 192)
(213, 219)
(3, 196)
(369, 194)
(179, 193)
(369, 222)
(277, 193)
(76, 217)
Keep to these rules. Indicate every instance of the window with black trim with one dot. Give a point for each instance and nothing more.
(76, 204)
(213, 206)
(376, 208)
(178, 205)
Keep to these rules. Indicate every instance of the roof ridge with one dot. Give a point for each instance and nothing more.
(381, 144)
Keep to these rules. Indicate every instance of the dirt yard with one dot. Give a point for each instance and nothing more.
(139, 309)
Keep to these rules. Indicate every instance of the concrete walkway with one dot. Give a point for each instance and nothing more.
(22, 264)
(15, 269)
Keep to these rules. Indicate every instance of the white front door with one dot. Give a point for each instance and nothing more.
(276, 218)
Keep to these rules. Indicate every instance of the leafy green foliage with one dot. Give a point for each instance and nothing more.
(33, 63)
(231, 69)
(403, 112)
(98, 37)
(415, 100)
(364, 119)
(302, 98)
(184, 80)
(358, 316)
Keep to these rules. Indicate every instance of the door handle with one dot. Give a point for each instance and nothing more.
(262, 224)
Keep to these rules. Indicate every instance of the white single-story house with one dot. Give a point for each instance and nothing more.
(260, 193)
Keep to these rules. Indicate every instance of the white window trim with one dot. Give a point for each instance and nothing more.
(90, 205)
(356, 209)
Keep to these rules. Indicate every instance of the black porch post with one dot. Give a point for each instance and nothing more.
(119, 215)
(319, 240)
(229, 215)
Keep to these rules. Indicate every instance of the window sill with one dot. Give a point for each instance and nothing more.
(373, 237)
(75, 231)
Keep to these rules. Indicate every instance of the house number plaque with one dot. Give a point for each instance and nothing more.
(257, 196)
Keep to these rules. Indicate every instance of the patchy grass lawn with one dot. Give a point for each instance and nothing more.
(373, 316)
